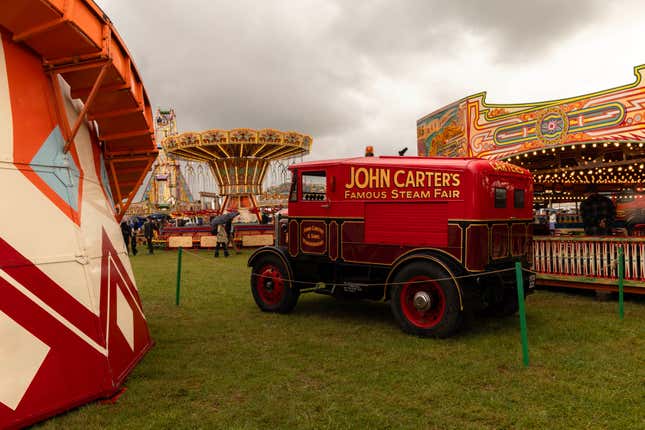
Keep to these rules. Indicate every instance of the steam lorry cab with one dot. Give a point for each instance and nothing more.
(436, 237)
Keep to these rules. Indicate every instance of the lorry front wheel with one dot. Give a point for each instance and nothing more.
(425, 300)
(271, 286)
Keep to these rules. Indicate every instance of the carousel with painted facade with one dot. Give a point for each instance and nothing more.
(588, 151)
(239, 159)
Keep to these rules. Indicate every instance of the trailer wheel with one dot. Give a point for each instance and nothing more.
(425, 300)
(271, 286)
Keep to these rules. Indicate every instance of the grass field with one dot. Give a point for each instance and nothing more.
(219, 362)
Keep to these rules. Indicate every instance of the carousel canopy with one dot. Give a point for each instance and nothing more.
(213, 145)
(593, 142)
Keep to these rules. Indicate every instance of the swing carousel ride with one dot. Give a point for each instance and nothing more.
(238, 158)
(585, 149)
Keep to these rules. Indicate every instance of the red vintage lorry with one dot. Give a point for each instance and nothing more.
(436, 237)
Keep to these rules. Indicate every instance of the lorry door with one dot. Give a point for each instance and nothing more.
(312, 228)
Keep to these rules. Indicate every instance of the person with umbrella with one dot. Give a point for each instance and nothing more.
(219, 229)
(228, 227)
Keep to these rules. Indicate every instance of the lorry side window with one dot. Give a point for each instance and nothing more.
(314, 186)
(518, 199)
(293, 193)
(500, 197)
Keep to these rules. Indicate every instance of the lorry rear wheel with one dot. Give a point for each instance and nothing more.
(425, 300)
(271, 286)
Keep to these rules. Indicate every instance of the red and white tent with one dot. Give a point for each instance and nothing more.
(75, 143)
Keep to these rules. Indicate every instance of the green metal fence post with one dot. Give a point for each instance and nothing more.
(621, 275)
(178, 276)
(520, 301)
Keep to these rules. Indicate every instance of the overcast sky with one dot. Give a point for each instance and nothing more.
(355, 73)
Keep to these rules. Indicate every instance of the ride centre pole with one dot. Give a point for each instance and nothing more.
(621, 276)
(178, 276)
(520, 301)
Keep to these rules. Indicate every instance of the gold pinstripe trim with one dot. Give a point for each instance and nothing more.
(324, 251)
(508, 242)
(461, 238)
(324, 217)
(479, 220)
(297, 245)
(466, 247)
(337, 240)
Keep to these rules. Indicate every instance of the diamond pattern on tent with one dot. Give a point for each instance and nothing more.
(21, 355)
(124, 317)
(58, 169)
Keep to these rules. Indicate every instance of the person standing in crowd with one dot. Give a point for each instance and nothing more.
(133, 236)
(148, 232)
(552, 220)
(222, 240)
(228, 228)
(126, 231)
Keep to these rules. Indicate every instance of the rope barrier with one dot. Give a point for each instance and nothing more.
(373, 285)
(382, 285)
(197, 255)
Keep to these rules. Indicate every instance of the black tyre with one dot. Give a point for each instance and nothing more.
(425, 300)
(271, 285)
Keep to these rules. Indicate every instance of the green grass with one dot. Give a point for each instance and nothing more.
(219, 362)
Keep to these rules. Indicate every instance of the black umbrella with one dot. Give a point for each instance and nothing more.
(223, 218)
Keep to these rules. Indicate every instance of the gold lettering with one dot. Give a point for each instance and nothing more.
(374, 182)
(456, 180)
(429, 176)
(361, 183)
(420, 176)
(396, 178)
(351, 178)
(409, 181)
(446, 179)
(385, 178)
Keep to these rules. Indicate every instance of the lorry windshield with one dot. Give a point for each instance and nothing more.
(314, 186)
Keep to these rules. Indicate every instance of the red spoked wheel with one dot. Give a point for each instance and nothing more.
(425, 299)
(423, 302)
(271, 285)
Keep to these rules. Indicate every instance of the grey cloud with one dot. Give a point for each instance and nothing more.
(522, 30)
(310, 65)
(517, 30)
(234, 64)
